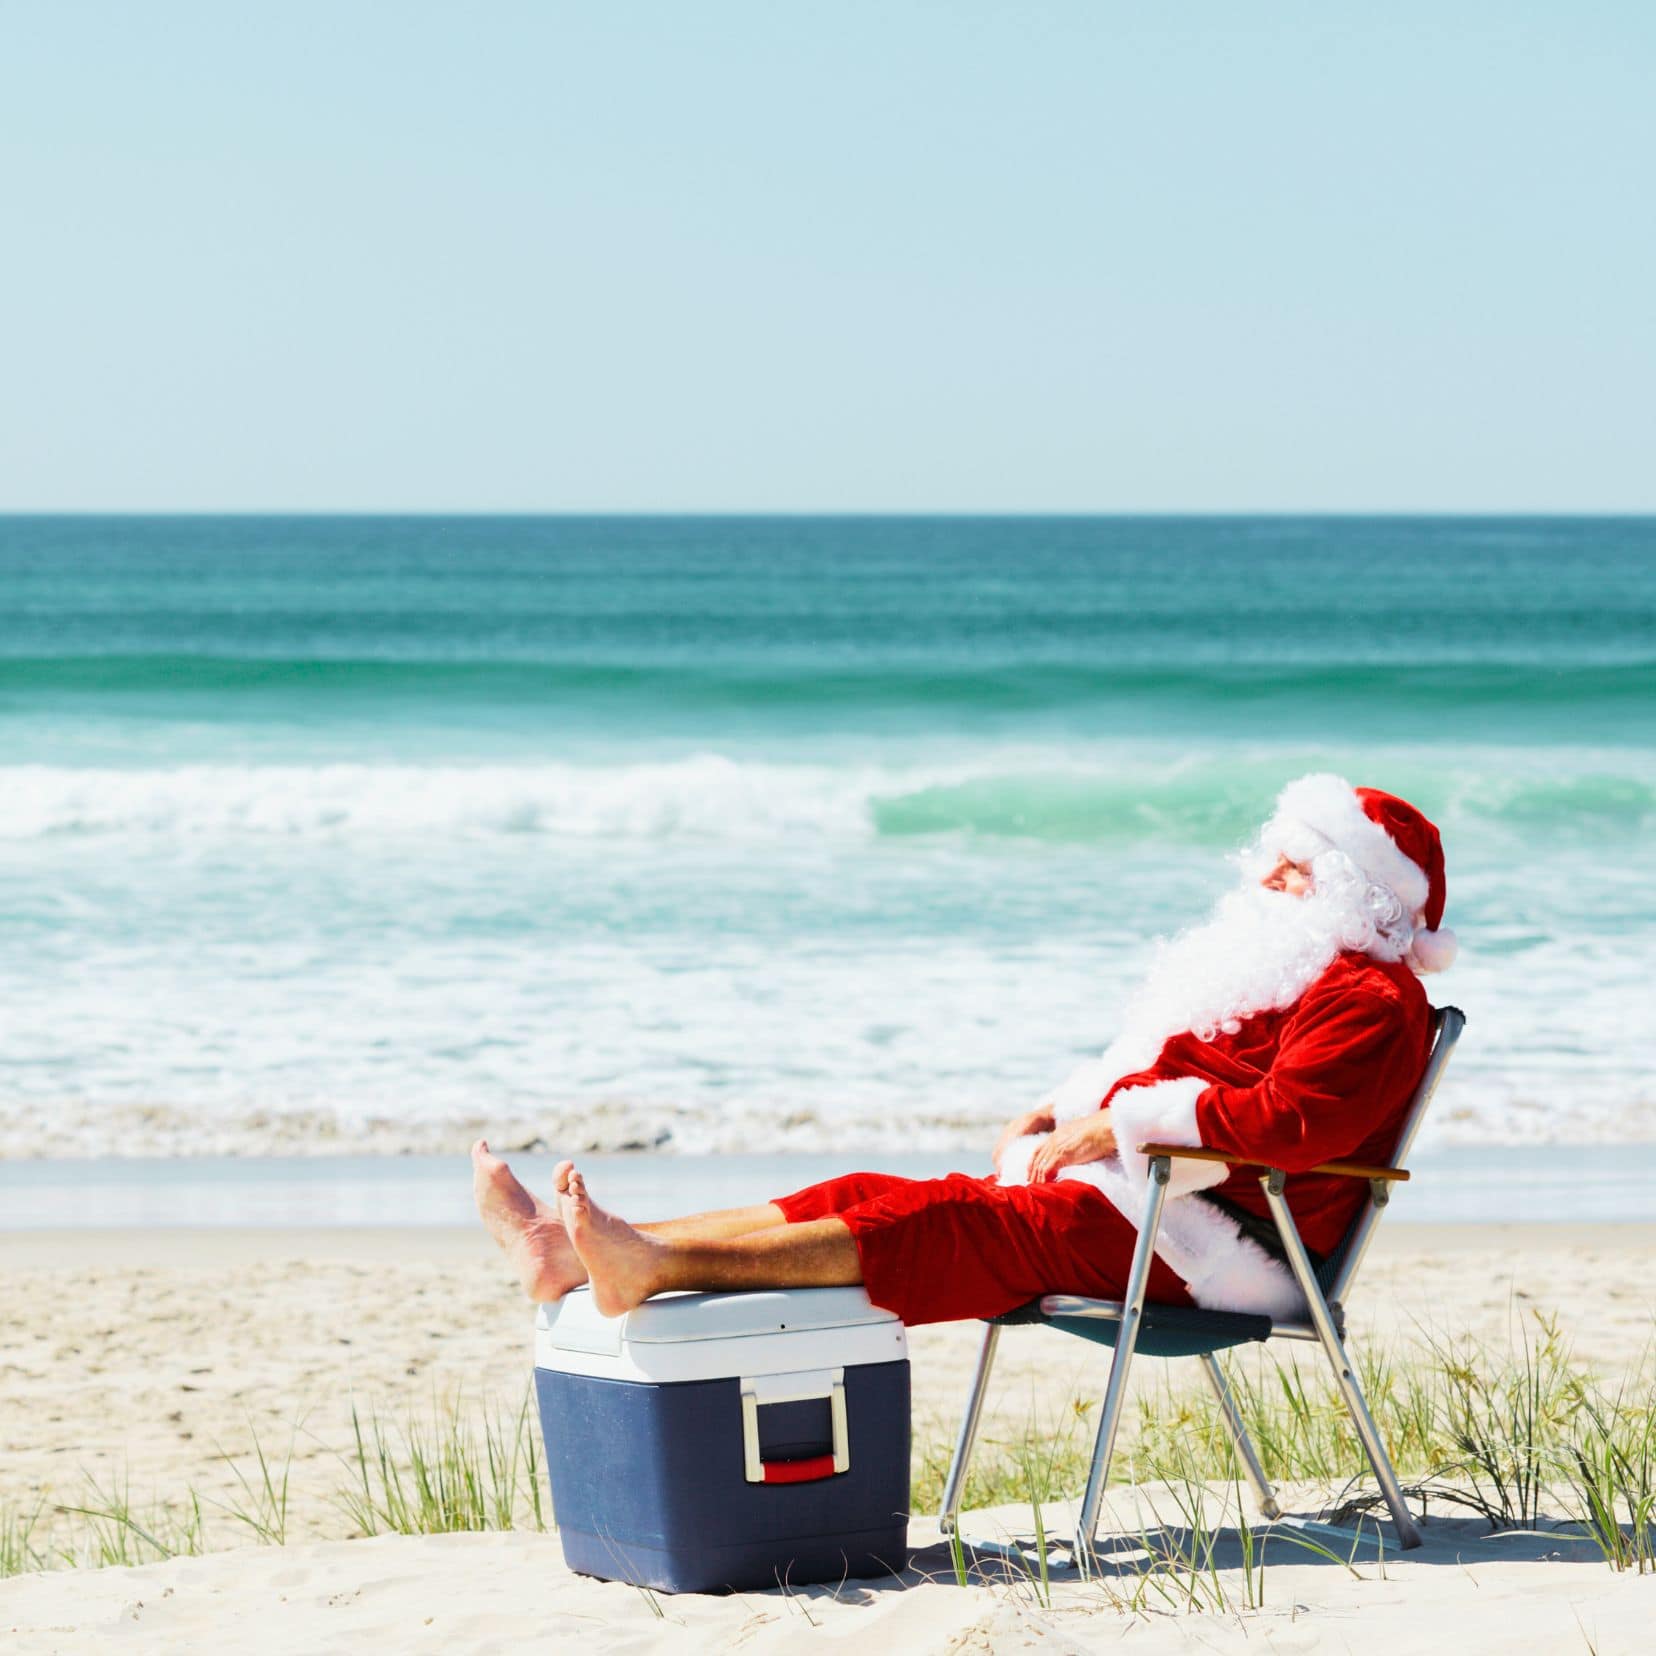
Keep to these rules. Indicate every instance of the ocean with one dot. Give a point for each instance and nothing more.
(757, 835)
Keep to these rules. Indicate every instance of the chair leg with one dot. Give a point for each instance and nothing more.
(1408, 1532)
(1245, 1450)
(1345, 1376)
(1115, 1392)
(954, 1488)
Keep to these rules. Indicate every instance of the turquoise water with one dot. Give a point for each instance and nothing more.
(758, 834)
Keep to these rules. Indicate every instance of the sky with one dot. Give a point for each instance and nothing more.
(890, 256)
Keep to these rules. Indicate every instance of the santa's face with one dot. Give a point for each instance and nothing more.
(1292, 878)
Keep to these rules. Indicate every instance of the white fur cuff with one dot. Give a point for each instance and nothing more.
(1163, 1113)
(1013, 1167)
(1081, 1092)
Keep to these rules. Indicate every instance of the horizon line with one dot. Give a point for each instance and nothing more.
(1007, 514)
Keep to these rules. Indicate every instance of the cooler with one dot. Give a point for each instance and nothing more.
(709, 1441)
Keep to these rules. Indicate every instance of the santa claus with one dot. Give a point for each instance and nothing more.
(1290, 1029)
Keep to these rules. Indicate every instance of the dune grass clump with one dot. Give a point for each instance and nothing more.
(102, 1527)
(1509, 1425)
(1042, 1460)
(115, 1532)
(1177, 1567)
(1195, 1550)
(19, 1553)
(462, 1466)
(260, 1505)
(1611, 1469)
(453, 1469)
(108, 1529)
(1504, 1434)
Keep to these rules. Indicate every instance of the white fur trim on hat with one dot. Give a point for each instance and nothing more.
(1434, 951)
(1330, 807)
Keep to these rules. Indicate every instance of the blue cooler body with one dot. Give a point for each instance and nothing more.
(711, 1441)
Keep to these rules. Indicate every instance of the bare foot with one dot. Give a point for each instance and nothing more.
(623, 1264)
(530, 1232)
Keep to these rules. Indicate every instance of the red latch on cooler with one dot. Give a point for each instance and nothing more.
(807, 1470)
(803, 1387)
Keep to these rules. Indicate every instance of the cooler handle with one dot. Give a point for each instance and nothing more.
(794, 1388)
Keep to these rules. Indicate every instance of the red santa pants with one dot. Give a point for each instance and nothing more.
(942, 1250)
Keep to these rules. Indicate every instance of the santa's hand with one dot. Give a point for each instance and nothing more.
(1032, 1121)
(1072, 1142)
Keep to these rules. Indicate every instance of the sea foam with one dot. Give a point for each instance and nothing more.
(714, 796)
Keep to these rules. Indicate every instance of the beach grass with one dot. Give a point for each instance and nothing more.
(1611, 1468)
(463, 1465)
(19, 1553)
(1523, 1437)
(1193, 1550)
(104, 1527)
(1499, 1433)
(260, 1501)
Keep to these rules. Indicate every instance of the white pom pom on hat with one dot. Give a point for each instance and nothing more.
(1396, 845)
(1435, 950)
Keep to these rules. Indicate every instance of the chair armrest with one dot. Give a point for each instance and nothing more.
(1341, 1169)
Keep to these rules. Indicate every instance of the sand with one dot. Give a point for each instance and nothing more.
(145, 1359)
(501, 1593)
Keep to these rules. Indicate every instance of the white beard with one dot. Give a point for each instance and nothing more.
(1260, 952)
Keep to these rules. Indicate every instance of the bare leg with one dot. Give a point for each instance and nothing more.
(713, 1227)
(532, 1233)
(625, 1265)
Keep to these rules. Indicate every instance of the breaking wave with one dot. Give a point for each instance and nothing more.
(714, 797)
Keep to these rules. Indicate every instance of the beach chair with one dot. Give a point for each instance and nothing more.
(1132, 1327)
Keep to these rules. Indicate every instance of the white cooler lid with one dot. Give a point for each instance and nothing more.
(702, 1336)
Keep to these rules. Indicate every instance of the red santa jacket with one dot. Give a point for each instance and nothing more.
(1328, 1078)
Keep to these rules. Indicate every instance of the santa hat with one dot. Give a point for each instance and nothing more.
(1395, 845)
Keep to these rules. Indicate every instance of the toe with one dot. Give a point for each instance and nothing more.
(486, 1162)
(560, 1176)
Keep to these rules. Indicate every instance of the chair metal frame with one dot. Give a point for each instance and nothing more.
(1323, 1324)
